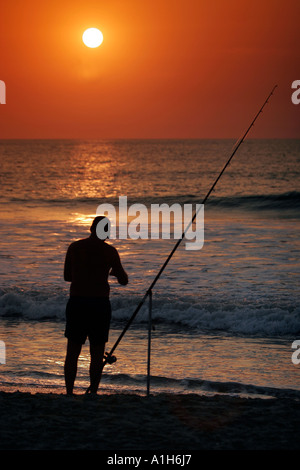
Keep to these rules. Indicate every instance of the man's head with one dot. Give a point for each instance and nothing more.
(100, 227)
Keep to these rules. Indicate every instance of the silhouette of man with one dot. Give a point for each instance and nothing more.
(88, 264)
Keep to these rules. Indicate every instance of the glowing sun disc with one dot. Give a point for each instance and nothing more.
(92, 37)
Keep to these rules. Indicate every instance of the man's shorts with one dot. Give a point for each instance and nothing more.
(88, 317)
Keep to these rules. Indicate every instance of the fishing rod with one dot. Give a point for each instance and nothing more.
(109, 358)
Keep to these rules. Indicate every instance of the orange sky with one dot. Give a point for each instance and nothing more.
(166, 68)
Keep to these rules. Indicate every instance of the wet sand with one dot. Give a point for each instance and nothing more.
(163, 422)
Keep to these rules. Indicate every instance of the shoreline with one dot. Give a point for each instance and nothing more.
(124, 422)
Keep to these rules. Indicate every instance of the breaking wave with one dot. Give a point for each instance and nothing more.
(208, 316)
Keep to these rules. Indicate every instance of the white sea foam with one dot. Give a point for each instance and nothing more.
(235, 319)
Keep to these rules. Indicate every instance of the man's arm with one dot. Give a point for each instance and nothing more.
(118, 270)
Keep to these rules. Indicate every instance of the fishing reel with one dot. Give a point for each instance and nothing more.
(109, 359)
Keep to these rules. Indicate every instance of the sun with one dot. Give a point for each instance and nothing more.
(92, 37)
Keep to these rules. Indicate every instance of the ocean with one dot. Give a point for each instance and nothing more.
(224, 317)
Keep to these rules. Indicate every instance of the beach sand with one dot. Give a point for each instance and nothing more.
(118, 422)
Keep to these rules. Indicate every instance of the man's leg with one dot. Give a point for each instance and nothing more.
(96, 365)
(73, 351)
